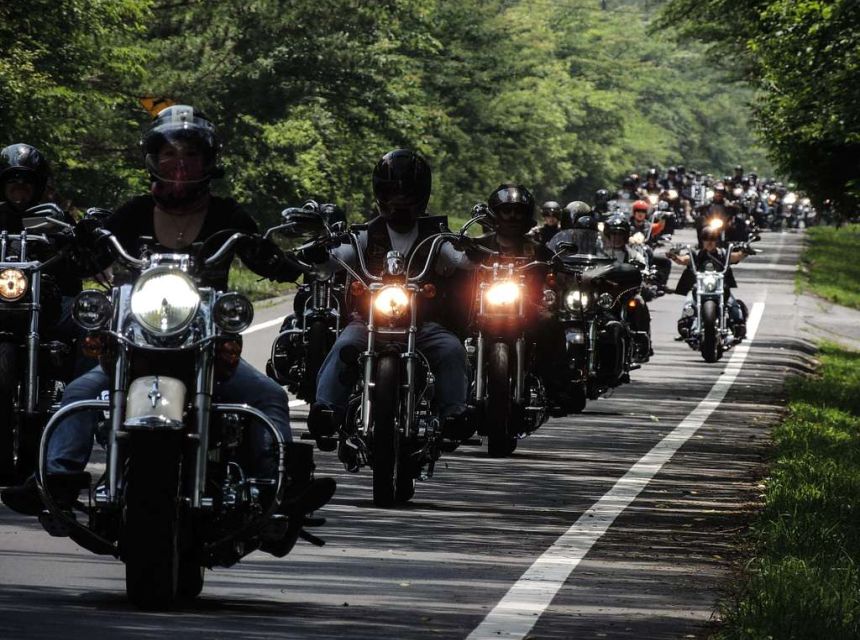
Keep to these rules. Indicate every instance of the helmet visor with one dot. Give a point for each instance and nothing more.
(181, 159)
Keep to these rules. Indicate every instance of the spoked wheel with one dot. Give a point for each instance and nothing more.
(317, 349)
(149, 537)
(392, 482)
(499, 413)
(8, 391)
(712, 348)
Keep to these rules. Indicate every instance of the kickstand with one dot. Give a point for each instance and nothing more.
(309, 537)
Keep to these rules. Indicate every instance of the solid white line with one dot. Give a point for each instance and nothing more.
(263, 325)
(518, 611)
(297, 403)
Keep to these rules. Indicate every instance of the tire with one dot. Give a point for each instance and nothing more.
(317, 350)
(386, 435)
(190, 578)
(149, 538)
(8, 389)
(499, 413)
(711, 347)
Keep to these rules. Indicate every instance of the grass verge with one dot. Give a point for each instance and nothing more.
(804, 580)
(829, 265)
(256, 288)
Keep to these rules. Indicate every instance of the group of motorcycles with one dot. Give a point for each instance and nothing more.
(184, 488)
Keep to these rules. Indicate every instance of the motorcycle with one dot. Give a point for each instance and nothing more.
(596, 296)
(306, 337)
(511, 398)
(184, 488)
(710, 333)
(389, 423)
(33, 371)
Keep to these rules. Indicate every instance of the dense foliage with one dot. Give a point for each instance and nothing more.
(560, 94)
(804, 58)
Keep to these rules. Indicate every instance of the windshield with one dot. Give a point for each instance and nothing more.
(589, 245)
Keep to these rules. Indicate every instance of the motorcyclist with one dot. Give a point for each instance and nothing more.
(551, 212)
(714, 254)
(616, 233)
(601, 203)
(651, 186)
(24, 182)
(180, 152)
(628, 189)
(512, 209)
(644, 231)
(721, 207)
(737, 176)
(401, 187)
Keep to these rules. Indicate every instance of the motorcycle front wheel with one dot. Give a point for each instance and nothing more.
(712, 348)
(149, 538)
(391, 483)
(499, 413)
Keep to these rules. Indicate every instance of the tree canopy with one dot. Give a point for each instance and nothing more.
(803, 58)
(562, 95)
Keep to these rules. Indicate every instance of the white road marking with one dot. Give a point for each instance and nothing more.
(263, 325)
(519, 610)
(297, 403)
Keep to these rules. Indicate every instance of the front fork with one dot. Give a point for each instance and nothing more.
(519, 374)
(33, 347)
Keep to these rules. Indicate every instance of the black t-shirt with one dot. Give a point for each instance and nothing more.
(133, 224)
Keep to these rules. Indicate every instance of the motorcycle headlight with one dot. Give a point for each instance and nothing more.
(604, 301)
(164, 301)
(710, 283)
(91, 309)
(737, 192)
(575, 300)
(790, 198)
(233, 313)
(13, 284)
(502, 293)
(391, 301)
(672, 194)
(653, 198)
(709, 194)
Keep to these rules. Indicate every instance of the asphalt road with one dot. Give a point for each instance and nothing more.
(649, 560)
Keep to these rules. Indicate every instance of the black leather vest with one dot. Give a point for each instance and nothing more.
(378, 246)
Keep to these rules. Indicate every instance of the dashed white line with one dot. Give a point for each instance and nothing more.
(519, 610)
(263, 325)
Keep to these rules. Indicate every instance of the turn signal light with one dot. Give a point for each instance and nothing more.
(550, 279)
(428, 290)
(93, 345)
(227, 356)
(356, 288)
(633, 303)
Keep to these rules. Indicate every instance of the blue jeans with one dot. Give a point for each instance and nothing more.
(444, 352)
(71, 444)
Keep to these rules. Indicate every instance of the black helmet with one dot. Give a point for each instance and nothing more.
(682, 169)
(652, 173)
(672, 170)
(512, 207)
(617, 230)
(601, 197)
(629, 184)
(739, 170)
(24, 162)
(180, 150)
(401, 186)
(551, 208)
(586, 222)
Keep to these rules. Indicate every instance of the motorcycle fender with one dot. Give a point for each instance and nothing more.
(155, 402)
